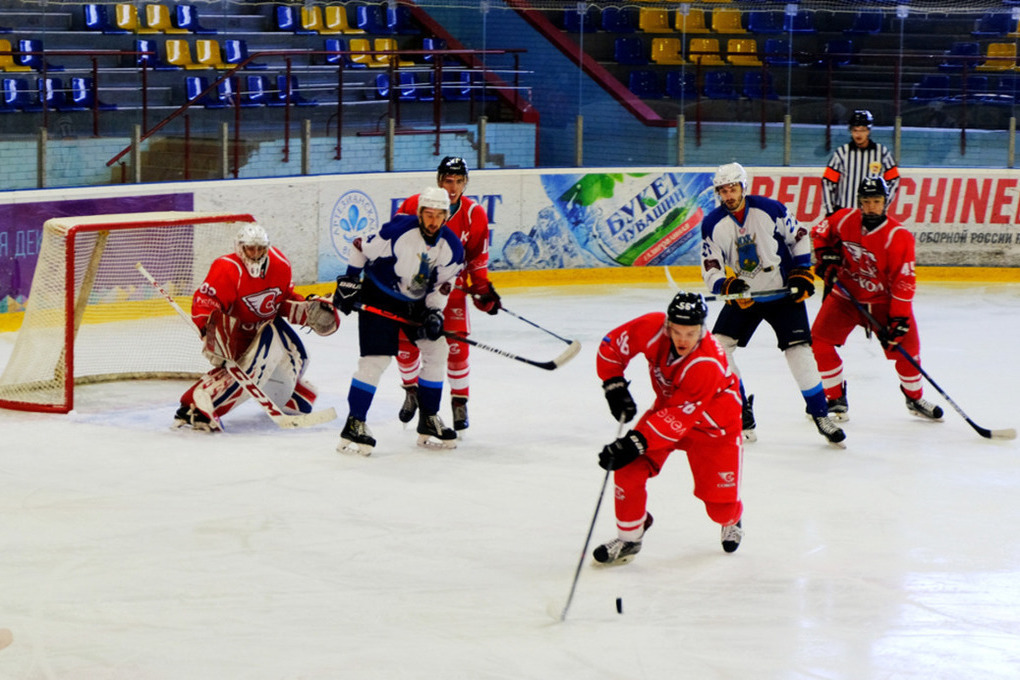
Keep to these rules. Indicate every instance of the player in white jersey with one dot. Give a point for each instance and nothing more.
(854, 161)
(765, 248)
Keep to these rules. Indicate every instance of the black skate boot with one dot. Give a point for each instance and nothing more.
(410, 406)
(731, 536)
(922, 408)
(356, 438)
(838, 410)
(460, 417)
(618, 551)
(828, 429)
(748, 416)
(189, 416)
(432, 433)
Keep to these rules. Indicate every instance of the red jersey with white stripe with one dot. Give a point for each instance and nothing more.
(698, 392)
(878, 265)
(468, 221)
(228, 286)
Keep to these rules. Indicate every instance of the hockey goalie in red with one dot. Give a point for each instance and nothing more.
(697, 409)
(242, 310)
(871, 256)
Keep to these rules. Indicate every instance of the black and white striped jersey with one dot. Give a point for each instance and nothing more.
(848, 166)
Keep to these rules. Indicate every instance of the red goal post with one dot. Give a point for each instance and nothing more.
(92, 317)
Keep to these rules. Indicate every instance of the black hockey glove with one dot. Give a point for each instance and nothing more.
(898, 327)
(432, 325)
(827, 263)
(621, 404)
(623, 451)
(802, 284)
(485, 297)
(735, 285)
(348, 291)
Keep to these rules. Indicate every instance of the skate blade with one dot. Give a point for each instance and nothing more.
(839, 417)
(619, 561)
(347, 446)
(924, 417)
(750, 436)
(838, 445)
(427, 441)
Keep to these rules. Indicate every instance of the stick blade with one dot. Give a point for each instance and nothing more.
(569, 353)
(305, 419)
(1008, 433)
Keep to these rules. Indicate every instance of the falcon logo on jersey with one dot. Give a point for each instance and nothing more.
(727, 479)
(263, 303)
(747, 253)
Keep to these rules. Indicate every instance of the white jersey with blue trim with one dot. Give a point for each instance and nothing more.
(402, 262)
(761, 248)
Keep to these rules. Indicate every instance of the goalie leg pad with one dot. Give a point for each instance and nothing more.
(276, 361)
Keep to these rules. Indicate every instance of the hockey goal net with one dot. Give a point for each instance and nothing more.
(92, 317)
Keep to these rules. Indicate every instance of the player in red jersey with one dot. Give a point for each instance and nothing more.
(242, 309)
(697, 409)
(871, 255)
(469, 223)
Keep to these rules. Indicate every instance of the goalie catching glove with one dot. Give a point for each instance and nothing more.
(348, 292)
(621, 404)
(734, 285)
(314, 312)
(801, 283)
(485, 297)
(623, 451)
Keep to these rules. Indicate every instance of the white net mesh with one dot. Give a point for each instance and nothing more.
(90, 308)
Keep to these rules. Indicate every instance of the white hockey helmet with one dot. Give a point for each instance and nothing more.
(731, 173)
(434, 197)
(251, 234)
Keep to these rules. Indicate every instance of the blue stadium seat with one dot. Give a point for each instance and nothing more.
(777, 53)
(52, 95)
(18, 95)
(255, 90)
(288, 18)
(801, 22)
(340, 45)
(186, 17)
(194, 87)
(370, 19)
(766, 23)
(865, 23)
(961, 53)
(229, 92)
(993, 25)
(97, 18)
(629, 51)
(407, 90)
(296, 98)
(456, 86)
(400, 21)
(681, 85)
(644, 84)
(758, 85)
(574, 21)
(720, 85)
(31, 55)
(930, 88)
(838, 52)
(235, 51)
(82, 96)
(619, 19)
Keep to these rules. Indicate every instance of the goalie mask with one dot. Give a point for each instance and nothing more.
(252, 244)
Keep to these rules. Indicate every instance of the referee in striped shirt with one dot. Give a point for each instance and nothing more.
(853, 162)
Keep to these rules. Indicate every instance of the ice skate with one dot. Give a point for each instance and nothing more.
(748, 417)
(838, 409)
(432, 433)
(460, 416)
(410, 405)
(922, 408)
(731, 536)
(356, 438)
(828, 429)
(189, 416)
(619, 551)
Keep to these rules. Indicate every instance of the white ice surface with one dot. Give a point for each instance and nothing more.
(131, 551)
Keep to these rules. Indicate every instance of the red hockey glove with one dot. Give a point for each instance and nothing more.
(623, 451)
(485, 297)
(802, 284)
(734, 286)
(898, 327)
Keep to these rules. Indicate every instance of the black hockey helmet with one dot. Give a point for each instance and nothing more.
(861, 118)
(873, 186)
(451, 165)
(687, 309)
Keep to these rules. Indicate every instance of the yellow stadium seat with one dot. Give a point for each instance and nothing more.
(705, 51)
(178, 54)
(727, 20)
(336, 20)
(207, 52)
(692, 22)
(388, 45)
(7, 62)
(359, 52)
(742, 52)
(654, 20)
(126, 19)
(157, 18)
(311, 18)
(999, 57)
(667, 51)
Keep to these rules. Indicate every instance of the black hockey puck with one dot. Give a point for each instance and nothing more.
(619, 605)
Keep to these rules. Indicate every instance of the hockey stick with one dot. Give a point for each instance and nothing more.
(518, 316)
(1008, 433)
(746, 295)
(284, 420)
(567, 354)
(591, 530)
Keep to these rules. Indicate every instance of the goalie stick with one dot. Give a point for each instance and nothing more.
(284, 420)
(518, 316)
(565, 356)
(1008, 433)
(746, 295)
